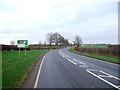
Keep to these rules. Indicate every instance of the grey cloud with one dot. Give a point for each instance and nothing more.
(63, 22)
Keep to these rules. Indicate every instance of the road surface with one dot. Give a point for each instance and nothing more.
(63, 69)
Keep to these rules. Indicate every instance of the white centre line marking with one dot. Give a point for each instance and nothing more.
(89, 71)
(67, 56)
(71, 61)
(60, 52)
(38, 75)
(78, 61)
(83, 66)
(62, 55)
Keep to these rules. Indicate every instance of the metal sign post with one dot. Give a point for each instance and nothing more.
(25, 51)
(19, 51)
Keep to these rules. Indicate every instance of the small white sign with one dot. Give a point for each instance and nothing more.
(21, 45)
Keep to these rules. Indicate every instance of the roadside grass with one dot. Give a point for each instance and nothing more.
(97, 46)
(15, 67)
(101, 57)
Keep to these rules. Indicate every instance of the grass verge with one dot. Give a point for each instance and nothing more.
(101, 57)
(15, 67)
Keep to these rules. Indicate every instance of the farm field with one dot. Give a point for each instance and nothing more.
(101, 57)
(16, 67)
(97, 46)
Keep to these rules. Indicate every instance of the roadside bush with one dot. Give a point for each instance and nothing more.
(12, 47)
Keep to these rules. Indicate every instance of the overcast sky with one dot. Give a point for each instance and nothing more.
(96, 21)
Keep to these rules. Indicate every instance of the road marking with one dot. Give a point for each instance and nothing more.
(118, 86)
(71, 61)
(89, 71)
(78, 62)
(109, 75)
(67, 56)
(63, 56)
(38, 75)
(83, 66)
(60, 52)
(92, 69)
(75, 60)
(104, 76)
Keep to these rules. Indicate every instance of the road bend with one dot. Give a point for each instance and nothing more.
(63, 69)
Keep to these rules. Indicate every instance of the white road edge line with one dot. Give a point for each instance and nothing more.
(88, 70)
(38, 75)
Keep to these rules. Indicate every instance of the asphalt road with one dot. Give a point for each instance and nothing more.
(63, 69)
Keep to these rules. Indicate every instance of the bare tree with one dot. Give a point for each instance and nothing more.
(78, 41)
(50, 38)
(66, 42)
(56, 38)
(40, 44)
(12, 42)
(61, 40)
(45, 43)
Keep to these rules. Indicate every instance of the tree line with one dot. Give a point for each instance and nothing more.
(57, 39)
